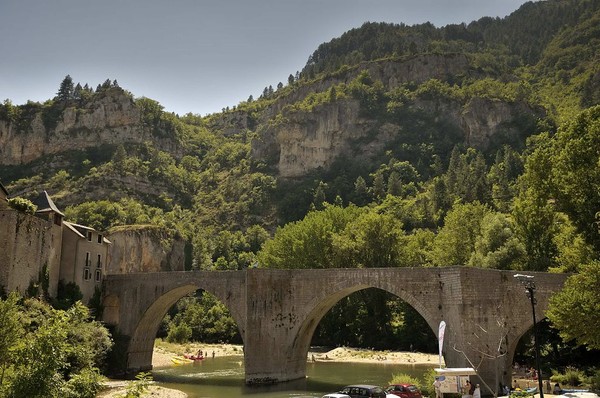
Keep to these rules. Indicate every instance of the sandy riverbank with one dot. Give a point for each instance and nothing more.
(163, 355)
(117, 389)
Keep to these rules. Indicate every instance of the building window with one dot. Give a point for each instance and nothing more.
(99, 238)
(88, 260)
(98, 275)
(99, 262)
(87, 275)
(89, 235)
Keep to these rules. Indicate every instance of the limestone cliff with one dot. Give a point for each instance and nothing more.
(306, 141)
(144, 249)
(109, 117)
(392, 73)
(301, 141)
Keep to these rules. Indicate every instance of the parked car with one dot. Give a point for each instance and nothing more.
(404, 390)
(336, 395)
(363, 391)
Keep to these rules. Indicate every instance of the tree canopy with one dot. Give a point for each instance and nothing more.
(580, 299)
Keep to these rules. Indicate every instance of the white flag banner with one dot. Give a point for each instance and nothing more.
(441, 338)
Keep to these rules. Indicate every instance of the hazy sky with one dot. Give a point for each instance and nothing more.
(190, 55)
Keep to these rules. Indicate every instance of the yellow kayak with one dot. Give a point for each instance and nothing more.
(180, 360)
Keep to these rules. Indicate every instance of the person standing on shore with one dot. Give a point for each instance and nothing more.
(477, 392)
(466, 390)
(436, 386)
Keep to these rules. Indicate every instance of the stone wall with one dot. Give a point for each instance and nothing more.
(29, 246)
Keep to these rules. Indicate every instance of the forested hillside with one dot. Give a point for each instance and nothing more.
(395, 145)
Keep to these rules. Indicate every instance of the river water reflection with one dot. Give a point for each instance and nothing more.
(224, 378)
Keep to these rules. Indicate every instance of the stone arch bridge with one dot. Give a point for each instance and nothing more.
(277, 311)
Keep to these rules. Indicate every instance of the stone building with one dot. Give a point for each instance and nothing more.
(37, 251)
(83, 260)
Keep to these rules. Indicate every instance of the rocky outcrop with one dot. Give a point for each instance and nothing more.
(392, 73)
(486, 121)
(302, 141)
(110, 117)
(144, 249)
(306, 141)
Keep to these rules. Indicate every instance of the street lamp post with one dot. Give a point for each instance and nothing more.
(527, 281)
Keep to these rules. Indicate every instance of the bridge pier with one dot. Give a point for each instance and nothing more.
(277, 312)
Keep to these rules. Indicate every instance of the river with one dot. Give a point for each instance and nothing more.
(224, 378)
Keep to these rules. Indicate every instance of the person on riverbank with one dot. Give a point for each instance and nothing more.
(557, 390)
(437, 384)
(466, 390)
(477, 392)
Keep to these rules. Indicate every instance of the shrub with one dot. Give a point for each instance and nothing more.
(85, 384)
(403, 378)
(179, 333)
(138, 387)
(426, 386)
(22, 204)
(595, 380)
(571, 377)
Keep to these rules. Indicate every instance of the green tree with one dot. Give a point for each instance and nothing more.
(534, 210)
(378, 189)
(575, 172)
(179, 333)
(151, 111)
(372, 240)
(360, 196)
(580, 295)
(319, 196)
(57, 353)
(66, 89)
(394, 185)
(503, 177)
(307, 243)
(571, 246)
(497, 245)
(203, 318)
(11, 332)
(466, 178)
(455, 242)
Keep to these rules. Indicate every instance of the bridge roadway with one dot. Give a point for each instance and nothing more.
(277, 311)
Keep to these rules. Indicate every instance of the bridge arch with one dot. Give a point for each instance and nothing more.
(150, 296)
(142, 341)
(320, 305)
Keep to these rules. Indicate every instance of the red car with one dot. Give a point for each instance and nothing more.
(404, 390)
